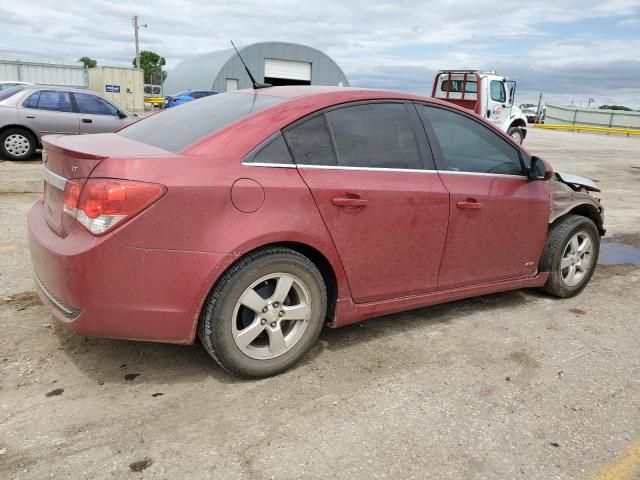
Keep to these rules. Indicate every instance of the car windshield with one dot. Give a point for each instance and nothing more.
(179, 94)
(7, 92)
(176, 128)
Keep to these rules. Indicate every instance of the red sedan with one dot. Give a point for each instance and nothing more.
(254, 218)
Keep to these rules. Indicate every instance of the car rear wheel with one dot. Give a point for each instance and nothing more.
(570, 255)
(265, 313)
(17, 144)
(516, 134)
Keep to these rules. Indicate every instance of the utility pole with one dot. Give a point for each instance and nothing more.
(136, 27)
(538, 115)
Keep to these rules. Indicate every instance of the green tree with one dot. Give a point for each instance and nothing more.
(88, 62)
(151, 63)
(615, 107)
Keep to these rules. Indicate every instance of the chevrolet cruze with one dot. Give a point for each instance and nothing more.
(251, 219)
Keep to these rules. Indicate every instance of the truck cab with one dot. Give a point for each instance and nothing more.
(487, 94)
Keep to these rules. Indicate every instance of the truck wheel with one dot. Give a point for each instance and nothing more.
(17, 144)
(265, 313)
(516, 134)
(570, 255)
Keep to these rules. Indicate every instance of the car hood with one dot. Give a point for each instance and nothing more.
(576, 181)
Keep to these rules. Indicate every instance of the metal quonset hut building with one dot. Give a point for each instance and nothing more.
(276, 63)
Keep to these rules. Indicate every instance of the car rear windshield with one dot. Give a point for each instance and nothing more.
(7, 92)
(178, 127)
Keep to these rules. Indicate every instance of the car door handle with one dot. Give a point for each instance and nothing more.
(349, 201)
(30, 116)
(469, 204)
(87, 120)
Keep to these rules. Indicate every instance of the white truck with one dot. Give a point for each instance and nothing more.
(486, 93)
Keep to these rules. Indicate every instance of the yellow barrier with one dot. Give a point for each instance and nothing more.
(154, 100)
(588, 128)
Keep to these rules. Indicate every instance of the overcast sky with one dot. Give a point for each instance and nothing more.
(568, 49)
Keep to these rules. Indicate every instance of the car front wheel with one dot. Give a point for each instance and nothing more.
(570, 255)
(265, 313)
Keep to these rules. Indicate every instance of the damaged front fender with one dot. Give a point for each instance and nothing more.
(570, 194)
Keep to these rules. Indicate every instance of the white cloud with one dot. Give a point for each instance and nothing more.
(391, 44)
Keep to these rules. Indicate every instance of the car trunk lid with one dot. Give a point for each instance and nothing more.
(71, 159)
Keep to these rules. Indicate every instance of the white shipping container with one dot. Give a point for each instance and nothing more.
(122, 86)
(45, 71)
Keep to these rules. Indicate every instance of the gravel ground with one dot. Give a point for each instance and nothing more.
(506, 386)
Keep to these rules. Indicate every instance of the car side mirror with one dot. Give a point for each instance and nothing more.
(121, 114)
(538, 169)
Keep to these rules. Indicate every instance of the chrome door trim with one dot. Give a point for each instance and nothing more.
(368, 169)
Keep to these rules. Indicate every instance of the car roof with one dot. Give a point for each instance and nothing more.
(342, 94)
(59, 88)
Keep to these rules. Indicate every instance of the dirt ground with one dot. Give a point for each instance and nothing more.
(506, 386)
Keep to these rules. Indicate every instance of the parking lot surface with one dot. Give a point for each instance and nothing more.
(512, 385)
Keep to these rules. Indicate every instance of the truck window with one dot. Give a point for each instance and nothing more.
(497, 91)
(456, 86)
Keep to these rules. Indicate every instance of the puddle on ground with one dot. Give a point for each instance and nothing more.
(618, 253)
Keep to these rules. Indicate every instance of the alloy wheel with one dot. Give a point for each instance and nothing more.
(271, 316)
(576, 259)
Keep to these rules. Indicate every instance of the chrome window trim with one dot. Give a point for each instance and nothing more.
(262, 164)
(481, 174)
(53, 179)
(374, 169)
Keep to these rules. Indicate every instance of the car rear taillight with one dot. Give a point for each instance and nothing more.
(99, 204)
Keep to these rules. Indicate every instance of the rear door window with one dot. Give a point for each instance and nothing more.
(176, 128)
(32, 101)
(310, 142)
(468, 146)
(375, 135)
(55, 100)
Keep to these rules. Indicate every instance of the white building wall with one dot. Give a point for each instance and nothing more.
(45, 71)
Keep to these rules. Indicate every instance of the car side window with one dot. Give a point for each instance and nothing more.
(199, 94)
(275, 151)
(32, 101)
(55, 100)
(374, 135)
(497, 92)
(310, 142)
(94, 105)
(468, 146)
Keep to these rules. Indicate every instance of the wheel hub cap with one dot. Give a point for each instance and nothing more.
(17, 145)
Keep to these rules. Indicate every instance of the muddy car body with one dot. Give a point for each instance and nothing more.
(254, 218)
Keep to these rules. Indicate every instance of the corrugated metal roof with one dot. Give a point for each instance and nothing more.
(198, 70)
(210, 70)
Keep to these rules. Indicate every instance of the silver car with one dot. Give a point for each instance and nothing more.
(28, 112)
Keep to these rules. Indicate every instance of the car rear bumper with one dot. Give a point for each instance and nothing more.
(101, 287)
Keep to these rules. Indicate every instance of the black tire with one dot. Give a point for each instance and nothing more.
(217, 317)
(516, 134)
(26, 141)
(558, 238)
